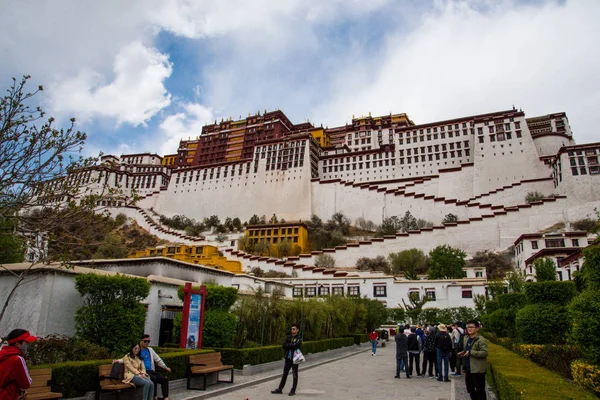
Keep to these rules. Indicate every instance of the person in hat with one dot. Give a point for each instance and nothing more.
(443, 344)
(14, 376)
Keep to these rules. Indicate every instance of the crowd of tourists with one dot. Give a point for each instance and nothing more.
(423, 349)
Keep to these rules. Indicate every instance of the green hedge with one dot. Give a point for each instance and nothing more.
(556, 292)
(358, 338)
(75, 378)
(542, 324)
(513, 377)
(260, 355)
(511, 300)
(491, 306)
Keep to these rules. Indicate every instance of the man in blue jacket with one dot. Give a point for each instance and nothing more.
(292, 343)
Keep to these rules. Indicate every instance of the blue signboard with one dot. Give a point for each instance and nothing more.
(194, 321)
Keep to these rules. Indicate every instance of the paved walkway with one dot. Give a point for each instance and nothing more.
(357, 375)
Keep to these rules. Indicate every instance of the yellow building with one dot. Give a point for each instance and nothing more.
(205, 255)
(169, 159)
(294, 233)
(321, 136)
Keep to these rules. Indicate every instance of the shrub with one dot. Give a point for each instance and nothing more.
(219, 327)
(587, 224)
(586, 375)
(514, 377)
(511, 300)
(58, 348)
(542, 323)
(555, 292)
(501, 322)
(491, 306)
(75, 378)
(534, 196)
(359, 338)
(112, 315)
(585, 311)
(557, 358)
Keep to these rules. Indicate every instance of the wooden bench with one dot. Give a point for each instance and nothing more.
(115, 387)
(204, 365)
(40, 385)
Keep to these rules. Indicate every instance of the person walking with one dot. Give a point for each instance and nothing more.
(290, 345)
(443, 345)
(429, 353)
(475, 361)
(401, 353)
(151, 360)
(374, 337)
(14, 375)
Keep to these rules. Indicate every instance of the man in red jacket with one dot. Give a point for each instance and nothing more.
(14, 376)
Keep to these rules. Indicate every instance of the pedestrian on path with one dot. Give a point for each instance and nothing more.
(475, 360)
(401, 353)
(292, 343)
(374, 337)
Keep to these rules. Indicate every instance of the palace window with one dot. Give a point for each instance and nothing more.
(297, 292)
(534, 245)
(467, 293)
(311, 291)
(380, 291)
(338, 291)
(353, 291)
(323, 290)
(430, 294)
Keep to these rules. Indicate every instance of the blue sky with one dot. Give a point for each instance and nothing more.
(142, 74)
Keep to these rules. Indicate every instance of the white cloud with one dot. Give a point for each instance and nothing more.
(134, 96)
(463, 61)
(185, 124)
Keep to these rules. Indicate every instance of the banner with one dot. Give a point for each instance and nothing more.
(194, 321)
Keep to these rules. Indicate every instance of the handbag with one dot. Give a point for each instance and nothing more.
(298, 357)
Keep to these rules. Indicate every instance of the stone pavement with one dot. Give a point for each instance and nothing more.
(357, 375)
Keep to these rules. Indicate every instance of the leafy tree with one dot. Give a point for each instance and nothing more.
(450, 218)
(263, 220)
(414, 306)
(516, 280)
(421, 223)
(322, 236)
(284, 248)
(12, 246)
(365, 225)
(325, 260)
(254, 220)
(396, 315)
(262, 248)
(111, 247)
(534, 196)
(389, 226)
(221, 237)
(378, 263)
(246, 243)
(112, 315)
(590, 271)
(339, 222)
(496, 264)
(237, 224)
(408, 222)
(545, 269)
(274, 219)
(446, 262)
(495, 288)
(377, 314)
(411, 263)
(228, 224)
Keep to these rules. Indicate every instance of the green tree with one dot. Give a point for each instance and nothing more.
(534, 196)
(274, 219)
(325, 260)
(237, 224)
(365, 225)
(545, 269)
(590, 271)
(450, 218)
(12, 246)
(262, 248)
(496, 264)
(377, 314)
(408, 222)
(111, 247)
(321, 236)
(389, 226)
(284, 248)
(339, 222)
(446, 262)
(228, 224)
(112, 315)
(516, 280)
(411, 263)
(254, 220)
(378, 263)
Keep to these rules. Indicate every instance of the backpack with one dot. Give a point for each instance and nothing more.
(461, 341)
(445, 343)
(115, 371)
(413, 342)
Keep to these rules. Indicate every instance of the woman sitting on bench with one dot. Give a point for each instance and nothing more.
(135, 372)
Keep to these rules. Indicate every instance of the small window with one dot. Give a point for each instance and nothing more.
(380, 291)
(467, 294)
(430, 294)
(353, 291)
(323, 290)
(534, 244)
(575, 242)
(311, 291)
(338, 291)
(297, 292)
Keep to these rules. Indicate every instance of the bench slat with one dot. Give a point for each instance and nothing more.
(43, 371)
(207, 370)
(44, 396)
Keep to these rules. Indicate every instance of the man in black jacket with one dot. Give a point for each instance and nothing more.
(292, 343)
(401, 352)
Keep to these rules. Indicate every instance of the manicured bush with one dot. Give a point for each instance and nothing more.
(59, 348)
(585, 331)
(557, 358)
(491, 306)
(556, 292)
(586, 375)
(513, 377)
(509, 300)
(75, 378)
(219, 327)
(501, 322)
(542, 323)
(260, 355)
(359, 338)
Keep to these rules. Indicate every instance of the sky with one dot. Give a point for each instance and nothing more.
(139, 75)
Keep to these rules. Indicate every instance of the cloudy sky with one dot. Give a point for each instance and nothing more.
(140, 74)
